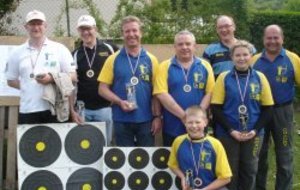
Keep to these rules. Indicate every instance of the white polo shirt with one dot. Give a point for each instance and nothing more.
(26, 60)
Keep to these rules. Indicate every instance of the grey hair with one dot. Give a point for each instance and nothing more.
(185, 32)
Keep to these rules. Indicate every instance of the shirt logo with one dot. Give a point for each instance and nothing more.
(103, 54)
(144, 72)
(219, 54)
(281, 74)
(255, 91)
(198, 80)
(206, 160)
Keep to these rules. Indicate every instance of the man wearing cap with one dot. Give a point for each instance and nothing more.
(29, 66)
(127, 80)
(89, 58)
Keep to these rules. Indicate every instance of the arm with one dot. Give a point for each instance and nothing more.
(74, 115)
(157, 116)
(206, 101)
(171, 105)
(105, 91)
(216, 184)
(14, 83)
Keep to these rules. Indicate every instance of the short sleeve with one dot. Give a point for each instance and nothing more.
(107, 75)
(218, 96)
(266, 93)
(161, 82)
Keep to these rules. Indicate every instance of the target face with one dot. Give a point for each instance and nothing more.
(160, 158)
(114, 180)
(138, 180)
(114, 158)
(162, 180)
(138, 158)
(42, 180)
(84, 144)
(85, 179)
(40, 146)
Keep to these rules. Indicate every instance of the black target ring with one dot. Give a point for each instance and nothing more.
(42, 180)
(84, 144)
(160, 158)
(138, 158)
(114, 158)
(138, 181)
(114, 180)
(162, 180)
(40, 146)
(178, 182)
(85, 179)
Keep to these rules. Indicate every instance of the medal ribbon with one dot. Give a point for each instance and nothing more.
(196, 166)
(133, 70)
(90, 62)
(33, 63)
(186, 74)
(242, 95)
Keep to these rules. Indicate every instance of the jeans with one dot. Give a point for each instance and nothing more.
(133, 134)
(103, 114)
(37, 117)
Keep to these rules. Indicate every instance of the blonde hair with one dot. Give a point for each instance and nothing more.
(131, 18)
(242, 43)
(196, 109)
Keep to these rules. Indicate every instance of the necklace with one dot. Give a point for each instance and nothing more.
(90, 73)
(133, 80)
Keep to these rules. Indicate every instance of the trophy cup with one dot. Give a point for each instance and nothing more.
(243, 118)
(131, 95)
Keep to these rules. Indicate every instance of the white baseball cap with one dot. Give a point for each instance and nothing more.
(35, 15)
(86, 20)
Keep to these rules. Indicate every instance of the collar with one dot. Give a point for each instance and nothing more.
(98, 43)
(176, 63)
(281, 54)
(123, 52)
(197, 140)
(46, 42)
(232, 72)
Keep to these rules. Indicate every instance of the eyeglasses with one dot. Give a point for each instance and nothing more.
(226, 26)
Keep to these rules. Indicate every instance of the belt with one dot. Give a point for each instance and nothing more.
(283, 104)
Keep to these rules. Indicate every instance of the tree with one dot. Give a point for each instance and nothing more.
(292, 5)
(6, 6)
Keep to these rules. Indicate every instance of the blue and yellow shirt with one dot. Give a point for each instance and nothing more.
(117, 73)
(171, 80)
(281, 74)
(226, 93)
(214, 164)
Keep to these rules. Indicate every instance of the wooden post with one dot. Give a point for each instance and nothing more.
(2, 123)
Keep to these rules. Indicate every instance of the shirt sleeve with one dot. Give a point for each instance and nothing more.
(218, 96)
(107, 75)
(173, 162)
(296, 65)
(155, 68)
(12, 67)
(211, 78)
(66, 60)
(161, 82)
(266, 93)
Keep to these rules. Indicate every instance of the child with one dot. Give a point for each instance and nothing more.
(197, 159)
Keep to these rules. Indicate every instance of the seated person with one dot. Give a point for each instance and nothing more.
(197, 159)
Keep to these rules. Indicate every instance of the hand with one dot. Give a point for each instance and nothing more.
(183, 184)
(76, 117)
(236, 135)
(251, 134)
(44, 78)
(126, 106)
(156, 125)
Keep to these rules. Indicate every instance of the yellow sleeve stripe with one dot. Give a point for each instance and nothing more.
(254, 59)
(211, 78)
(161, 82)
(218, 96)
(266, 93)
(296, 64)
(107, 73)
(173, 162)
(155, 66)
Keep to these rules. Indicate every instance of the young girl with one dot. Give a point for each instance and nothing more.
(242, 105)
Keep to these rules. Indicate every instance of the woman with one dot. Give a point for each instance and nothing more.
(242, 105)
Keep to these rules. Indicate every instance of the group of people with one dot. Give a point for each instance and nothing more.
(249, 97)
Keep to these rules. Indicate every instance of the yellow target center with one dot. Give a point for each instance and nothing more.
(138, 181)
(114, 181)
(162, 158)
(42, 188)
(86, 187)
(138, 158)
(40, 146)
(114, 159)
(85, 144)
(161, 181)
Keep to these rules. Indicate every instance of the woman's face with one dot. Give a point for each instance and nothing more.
(241, 57)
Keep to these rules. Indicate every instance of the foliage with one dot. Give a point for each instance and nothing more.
(292, 5)
(6, 6)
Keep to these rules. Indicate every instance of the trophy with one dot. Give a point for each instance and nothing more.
(188, 178)
(131, 95)
(243, 117)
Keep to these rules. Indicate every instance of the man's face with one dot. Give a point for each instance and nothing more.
(273, 40)
(184, 47)
(87, 34)
(225, 28)
(132, 34)
(36, 28)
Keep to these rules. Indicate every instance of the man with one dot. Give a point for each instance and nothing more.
(90, 58)
(218, 53)
(282, 69)
(183, 81)
(29, 66)
(126, 80)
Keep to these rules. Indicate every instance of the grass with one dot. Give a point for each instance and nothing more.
(272, 166)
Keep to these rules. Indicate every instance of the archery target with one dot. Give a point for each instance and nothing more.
(137, 168)
(73, 153)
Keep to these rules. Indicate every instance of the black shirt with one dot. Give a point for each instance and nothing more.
(88, 87)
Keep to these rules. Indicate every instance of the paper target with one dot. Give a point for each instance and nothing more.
(40, 146)
(160, 158)
(42, 180)
(84, 144)
(138, 158)
(114, 158)
(85, 179)
(114, 180)
(162, 180)
(138, 180)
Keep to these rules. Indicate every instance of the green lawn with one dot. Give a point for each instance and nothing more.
(272, 170)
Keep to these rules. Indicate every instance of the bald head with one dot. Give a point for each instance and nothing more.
(274, 28)
(273, 39)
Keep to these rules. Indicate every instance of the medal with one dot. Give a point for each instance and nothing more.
(242, 109)
(187, 88)
(31, 75)
(90, 73)
(134, 80)
(197, 182)
(34, 62)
